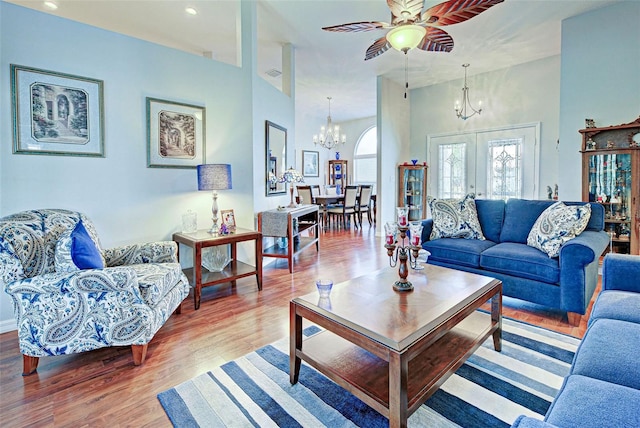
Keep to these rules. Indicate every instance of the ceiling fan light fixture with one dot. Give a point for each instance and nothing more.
(406, 37)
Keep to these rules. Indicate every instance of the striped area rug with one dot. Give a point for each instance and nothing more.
(490, 390)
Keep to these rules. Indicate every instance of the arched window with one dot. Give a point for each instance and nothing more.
(365, 158)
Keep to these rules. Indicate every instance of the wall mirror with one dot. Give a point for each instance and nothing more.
(276, 153)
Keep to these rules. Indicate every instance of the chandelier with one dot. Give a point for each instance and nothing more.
(462, 111)
(329, 135)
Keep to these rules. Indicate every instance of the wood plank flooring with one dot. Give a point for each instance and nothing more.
(104, 388)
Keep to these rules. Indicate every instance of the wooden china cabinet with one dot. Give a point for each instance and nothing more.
(412, 190)
(610, 176)
(339, 173)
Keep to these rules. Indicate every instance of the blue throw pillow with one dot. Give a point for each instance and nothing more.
(75, 250)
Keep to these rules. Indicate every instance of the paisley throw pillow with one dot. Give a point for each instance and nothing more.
(556, 225)
(455, 218)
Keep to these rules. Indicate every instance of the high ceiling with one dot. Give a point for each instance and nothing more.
(332, 64)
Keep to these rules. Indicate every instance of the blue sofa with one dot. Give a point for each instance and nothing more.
(566, 282)
(603, 385)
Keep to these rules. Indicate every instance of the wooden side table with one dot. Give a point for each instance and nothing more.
(233, 271)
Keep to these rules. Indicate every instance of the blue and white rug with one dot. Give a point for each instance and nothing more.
(490, 390)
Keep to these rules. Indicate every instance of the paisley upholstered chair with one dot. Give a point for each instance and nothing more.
(70, 296)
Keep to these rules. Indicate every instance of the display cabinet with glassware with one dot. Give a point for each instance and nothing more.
(412, 190)
(610, 171)
(338, 173)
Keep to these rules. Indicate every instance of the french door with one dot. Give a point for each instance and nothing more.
(494, 164)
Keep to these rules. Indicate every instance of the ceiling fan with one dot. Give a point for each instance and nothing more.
(410, 27)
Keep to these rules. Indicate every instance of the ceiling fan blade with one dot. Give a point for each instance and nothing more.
(436, 40)
(378, 47)
(412, 9)
(456, 11)
(356, 27)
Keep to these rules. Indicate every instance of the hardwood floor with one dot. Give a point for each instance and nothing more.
(104, 388)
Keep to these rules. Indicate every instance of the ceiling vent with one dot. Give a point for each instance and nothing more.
(273, 73)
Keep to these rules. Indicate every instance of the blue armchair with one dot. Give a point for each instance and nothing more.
(63, 305)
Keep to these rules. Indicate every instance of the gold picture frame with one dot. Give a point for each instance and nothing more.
(228, 219)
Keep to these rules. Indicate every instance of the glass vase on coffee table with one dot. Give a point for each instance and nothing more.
(400, 249)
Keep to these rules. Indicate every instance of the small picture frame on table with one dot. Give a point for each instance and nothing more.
(229, 219)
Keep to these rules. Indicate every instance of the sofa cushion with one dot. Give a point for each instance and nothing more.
(156, 280)
(618, 305)
(588, 402)
(465, 252)
(605, 353)
(76, 250)
(490, 216)
(521, 260)
(519, 217)
(455, 218)
(556, 225)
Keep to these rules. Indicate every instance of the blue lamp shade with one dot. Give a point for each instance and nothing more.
(214, 177)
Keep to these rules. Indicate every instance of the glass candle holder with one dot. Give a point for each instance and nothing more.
(390, 230)
(415, 229)
(403, 218)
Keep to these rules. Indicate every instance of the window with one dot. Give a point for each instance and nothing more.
(365, 157)
(504, 179)
(452, 175)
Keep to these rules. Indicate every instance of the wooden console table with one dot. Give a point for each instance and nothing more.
(280, 224)
(233, 271)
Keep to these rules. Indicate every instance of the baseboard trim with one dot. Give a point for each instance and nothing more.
(8, 325)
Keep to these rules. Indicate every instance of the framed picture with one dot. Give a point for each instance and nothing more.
(228, 219)
(310, 164)
(56, 113)
(175, 134)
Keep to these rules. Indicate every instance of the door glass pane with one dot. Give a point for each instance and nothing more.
(504, 179)
(610, 184)
(452, 174)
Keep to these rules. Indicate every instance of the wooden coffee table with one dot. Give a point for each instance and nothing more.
(394, 349)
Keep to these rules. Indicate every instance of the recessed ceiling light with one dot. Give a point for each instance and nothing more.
(191, 11)
(51, 5)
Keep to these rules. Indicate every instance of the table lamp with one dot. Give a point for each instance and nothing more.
(291, 176)
(214, 177)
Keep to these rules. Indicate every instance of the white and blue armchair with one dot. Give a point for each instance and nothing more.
(70, 296)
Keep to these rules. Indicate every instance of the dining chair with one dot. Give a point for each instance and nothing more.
(348, 208)
(304, 195)
(315, 190)
(364, 202)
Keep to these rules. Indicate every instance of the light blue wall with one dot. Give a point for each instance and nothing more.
(522, 94)
(127, 201)
(596, 76)
(600, 80)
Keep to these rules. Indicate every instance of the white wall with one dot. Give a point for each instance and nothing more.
(127, 201)
(600, 80)
(524, 93)
(393, 145)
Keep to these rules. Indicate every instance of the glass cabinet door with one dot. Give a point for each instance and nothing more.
(412, 192)
(609, 183)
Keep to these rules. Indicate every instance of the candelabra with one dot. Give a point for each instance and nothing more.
(403, 249)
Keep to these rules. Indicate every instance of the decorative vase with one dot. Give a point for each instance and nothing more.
(215, 259)
(337, 155)
(189, 222)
